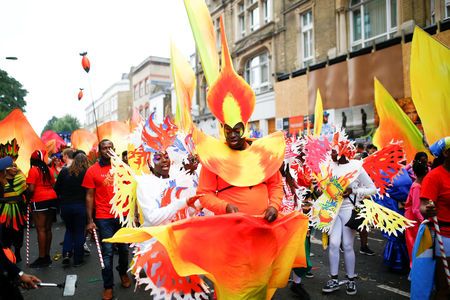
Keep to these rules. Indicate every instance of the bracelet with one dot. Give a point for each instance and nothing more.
(20, 274)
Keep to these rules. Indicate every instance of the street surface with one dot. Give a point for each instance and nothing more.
(375, 280)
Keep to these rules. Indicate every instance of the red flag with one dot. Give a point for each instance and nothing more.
(85, 63)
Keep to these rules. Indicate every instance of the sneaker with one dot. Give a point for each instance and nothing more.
(366, 251)
(351, 287)
(125, 281)
(331, 286)
(40, 262)
(79, 263)
(107, 294)
(309, 275)
(341, 249)
(311, 254)
(298, 289)
(87, 251)
(66, 260)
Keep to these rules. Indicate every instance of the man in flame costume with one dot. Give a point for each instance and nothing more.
(250, 252)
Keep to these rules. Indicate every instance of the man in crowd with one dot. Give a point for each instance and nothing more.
(99, 182)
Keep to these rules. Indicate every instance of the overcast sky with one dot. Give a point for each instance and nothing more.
(48, 35)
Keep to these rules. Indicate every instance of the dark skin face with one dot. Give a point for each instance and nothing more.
(105, 147)
(161, 161)
(234, 136)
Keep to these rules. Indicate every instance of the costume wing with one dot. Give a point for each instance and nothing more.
(384, 165)
(382, 218)
(317, 151)
(124, 203)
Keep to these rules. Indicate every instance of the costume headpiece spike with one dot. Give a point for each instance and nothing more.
(230, 98)
(10, 149)
(163, 135)
(342, 145)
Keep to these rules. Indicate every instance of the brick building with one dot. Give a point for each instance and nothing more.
(287, 49)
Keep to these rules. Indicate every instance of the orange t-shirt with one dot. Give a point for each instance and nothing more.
(99, 178)
(42, 191)
(252, 200)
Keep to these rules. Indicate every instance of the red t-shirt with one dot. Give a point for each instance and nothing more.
(42, 191)
(100, 179)
(436, 187)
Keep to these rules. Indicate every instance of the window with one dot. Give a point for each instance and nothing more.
(257, 73)
(114, 104)
(372, 21)
(254, 19)
(447, 9)
(217, 29)
(307, 38)
(267, 10)
(141, 89)
(136, 91)
(147, 86)
(241, 20)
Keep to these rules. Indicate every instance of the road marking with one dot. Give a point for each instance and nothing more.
(394, 290)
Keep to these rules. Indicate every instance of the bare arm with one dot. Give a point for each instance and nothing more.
(90, 209)
(427, 208)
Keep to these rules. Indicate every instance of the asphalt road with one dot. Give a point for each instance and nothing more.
(375, 280)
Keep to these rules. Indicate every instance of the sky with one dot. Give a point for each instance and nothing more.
(47, 36)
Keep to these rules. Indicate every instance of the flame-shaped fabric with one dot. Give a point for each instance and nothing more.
(117, 132)
(205, 37)
(83, 139)
(241, 168)
(384, 165)
(395, 124)
(343, 145)
(184, 80)
(430, 84)
(239, 237)
(230, 98)
(318, 114)
(16, 126)
(50, 135)
(161, 137)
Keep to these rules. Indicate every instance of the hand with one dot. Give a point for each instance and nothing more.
(191, 201)
(231, 209)
(271, 214)
(29, 281)
(91, 227)
(430, 209)
(347, 192)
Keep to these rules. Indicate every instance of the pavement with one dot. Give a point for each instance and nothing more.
(375, 281)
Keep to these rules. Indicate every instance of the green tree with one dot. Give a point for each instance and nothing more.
(12, 94)
(66, 123)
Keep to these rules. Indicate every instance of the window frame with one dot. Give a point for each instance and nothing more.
(363, 41)
(258, 87)
(307, 29)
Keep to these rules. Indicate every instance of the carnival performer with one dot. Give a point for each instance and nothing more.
(43, 201)
(100, 190)
(12, 205)
(248, 253)
(412, 205)
(435, 201)
(361, 187)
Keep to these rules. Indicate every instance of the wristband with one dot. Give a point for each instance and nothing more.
(20, 273)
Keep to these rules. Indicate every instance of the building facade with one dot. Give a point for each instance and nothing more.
(287, 50)
(113, 105)
(150, 78)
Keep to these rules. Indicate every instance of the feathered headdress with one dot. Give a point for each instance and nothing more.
(10, 149)
(342, 145)
(158, 138)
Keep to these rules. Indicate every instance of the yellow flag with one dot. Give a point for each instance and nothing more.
(430, 84)
(318, 115)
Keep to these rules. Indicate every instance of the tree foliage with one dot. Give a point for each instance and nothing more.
(67, 123)
(12, 94)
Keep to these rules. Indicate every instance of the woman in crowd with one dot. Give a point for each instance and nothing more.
(412, 205)
(12, 205)
(72, 197)
(435, 201)
(56, 164)
(43, 201)
(360, 188)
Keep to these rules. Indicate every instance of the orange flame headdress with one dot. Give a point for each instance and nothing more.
(342, 145)
(159, 138)
(230, 98)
